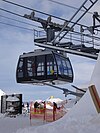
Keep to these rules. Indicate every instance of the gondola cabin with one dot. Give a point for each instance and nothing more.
(44, 66)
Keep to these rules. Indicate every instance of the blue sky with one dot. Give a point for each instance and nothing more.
(14, 41)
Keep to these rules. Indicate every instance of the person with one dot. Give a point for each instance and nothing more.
(54, 110)
(36, 104)
(22, 105)
(27, 107)
(55, 106)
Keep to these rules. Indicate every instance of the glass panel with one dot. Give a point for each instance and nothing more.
(51, 65)
(40, 65)
(64, 65)
(31, 66)
(20, 68)
(60, 65)
(70, 72)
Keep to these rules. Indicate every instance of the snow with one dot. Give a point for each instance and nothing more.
(1, 93)
(81, 118)
(95, 79)
(11, 125)
(21, 124)
(87, 124)
(12, 99)
(56, 100)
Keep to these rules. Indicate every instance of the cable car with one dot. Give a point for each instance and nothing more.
(42, 66)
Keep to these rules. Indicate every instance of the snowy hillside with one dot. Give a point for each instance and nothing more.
(21, 124)
(82, 118)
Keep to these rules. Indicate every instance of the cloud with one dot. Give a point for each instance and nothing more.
(15, 41)
(83, 68)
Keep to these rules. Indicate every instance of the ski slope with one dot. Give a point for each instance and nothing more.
(83, 117)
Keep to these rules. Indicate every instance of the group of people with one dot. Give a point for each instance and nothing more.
(42, 104)
(25, 107)
(37, 105)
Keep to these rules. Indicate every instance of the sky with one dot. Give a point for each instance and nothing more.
(15, 41)
(80, 117)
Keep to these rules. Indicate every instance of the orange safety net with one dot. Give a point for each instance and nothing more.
(48, 115)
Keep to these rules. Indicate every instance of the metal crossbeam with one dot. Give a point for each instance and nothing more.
(46, 23)
(67, 50)
(66, 24)
(65, 91)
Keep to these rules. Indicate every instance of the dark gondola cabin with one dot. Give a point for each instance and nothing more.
(44, 66)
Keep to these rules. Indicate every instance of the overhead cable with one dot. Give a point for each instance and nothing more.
(19, 21)
(11, 12)
(73, 39)
(39, 27)
(16, 26)
(60, 3)
(33, 9)
(43, 13)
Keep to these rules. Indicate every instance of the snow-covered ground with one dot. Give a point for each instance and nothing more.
(11, 124)
(21, 124)
(83, 117)
(87, 124)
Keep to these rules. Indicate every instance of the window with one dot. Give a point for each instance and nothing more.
(51, 65)
(60, 65)
(20, 68)
(40, 65)
(64, 66)
(70, 72)
(31, 66)
(40, 69)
